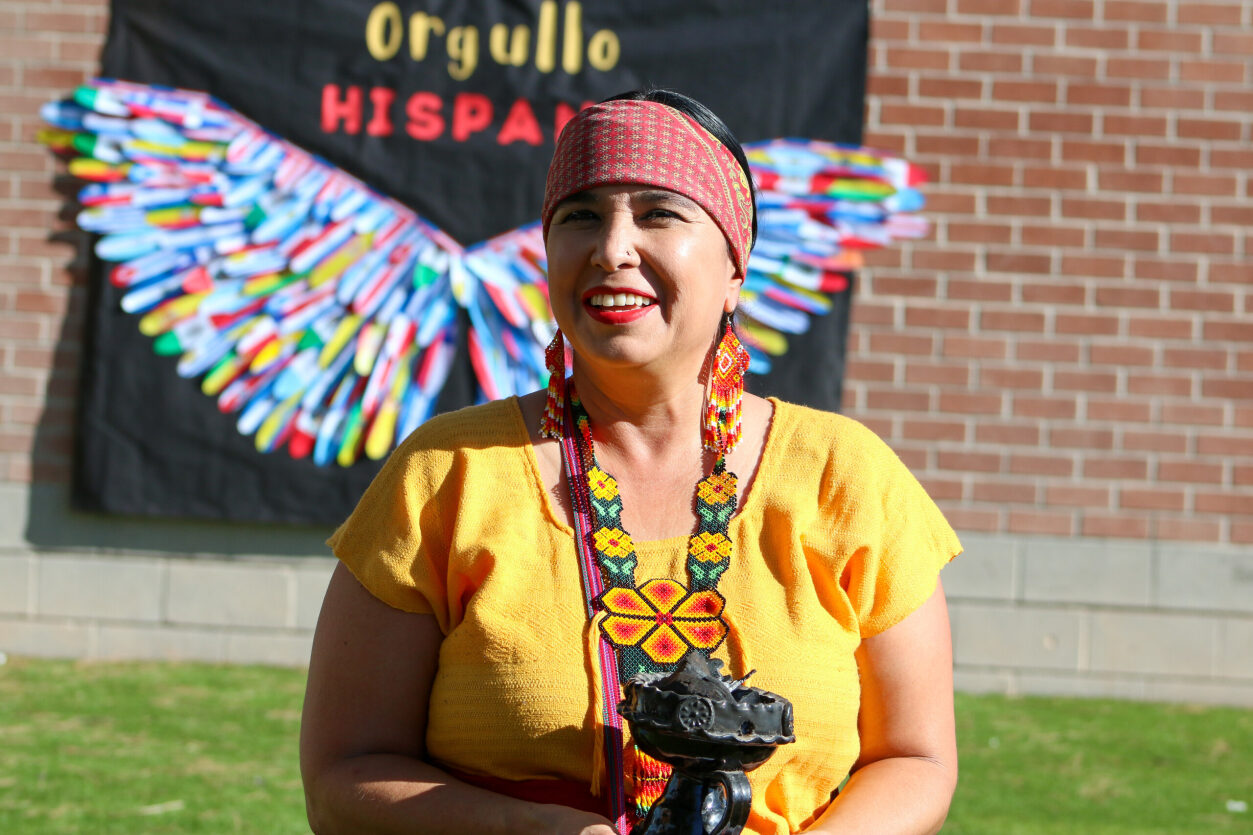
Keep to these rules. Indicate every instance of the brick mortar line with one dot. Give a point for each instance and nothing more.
(89, 621)
(1163, 610)
(295, 563)
(1089, 673)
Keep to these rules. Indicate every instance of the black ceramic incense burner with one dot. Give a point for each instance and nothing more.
(711, 729)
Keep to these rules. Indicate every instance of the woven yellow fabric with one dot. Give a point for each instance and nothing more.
(835, 541)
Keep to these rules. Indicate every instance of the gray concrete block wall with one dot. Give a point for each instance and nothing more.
(258, 610)
(245, 594)
(1051, 615)
(89, 586)
(1035, 638)
(17, 584)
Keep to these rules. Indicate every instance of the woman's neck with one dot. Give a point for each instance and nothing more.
(638, 416)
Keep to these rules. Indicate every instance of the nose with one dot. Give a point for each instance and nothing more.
(616, 246)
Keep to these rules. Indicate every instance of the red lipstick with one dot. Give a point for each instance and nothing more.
(616, 315)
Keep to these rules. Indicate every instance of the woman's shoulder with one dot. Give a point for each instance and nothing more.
(866, 496)
(476, 436)
(824, 436)
(487, 424)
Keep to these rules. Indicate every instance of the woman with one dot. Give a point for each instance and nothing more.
(457, 683)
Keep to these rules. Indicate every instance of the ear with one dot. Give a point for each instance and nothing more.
(732, 299)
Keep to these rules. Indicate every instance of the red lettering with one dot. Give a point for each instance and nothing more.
(423, 109)
(520, 125)
(335, 110)
(380, 123)
(471, 112)
(344, 109)
(564, 114)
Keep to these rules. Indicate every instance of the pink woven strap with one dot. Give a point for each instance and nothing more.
(580, 502)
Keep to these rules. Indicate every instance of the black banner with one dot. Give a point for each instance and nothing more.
(452, 108)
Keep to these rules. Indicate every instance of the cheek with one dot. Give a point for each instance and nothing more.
(702, 254)
(560, 284)
(561, 262)
(710, 260)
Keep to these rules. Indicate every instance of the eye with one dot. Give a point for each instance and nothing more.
(576, 216)
(660, 214)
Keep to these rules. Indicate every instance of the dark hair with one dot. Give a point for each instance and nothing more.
(707, 119)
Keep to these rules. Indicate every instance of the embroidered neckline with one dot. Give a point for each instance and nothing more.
(554, 514)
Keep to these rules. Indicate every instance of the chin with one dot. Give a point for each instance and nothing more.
(620, 356)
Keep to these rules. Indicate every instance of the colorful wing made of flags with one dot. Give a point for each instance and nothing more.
(323, 315)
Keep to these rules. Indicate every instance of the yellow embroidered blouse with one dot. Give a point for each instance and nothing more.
(834, 542)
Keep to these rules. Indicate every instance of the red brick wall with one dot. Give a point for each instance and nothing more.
(46, 48)
(1070, 353)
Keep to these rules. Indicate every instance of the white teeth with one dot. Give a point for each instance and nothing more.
(619, 300)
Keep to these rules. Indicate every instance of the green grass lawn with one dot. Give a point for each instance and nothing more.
(173, 748)
(113, 748)
(1097, 767)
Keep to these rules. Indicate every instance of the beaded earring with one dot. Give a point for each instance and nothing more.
(550, 425)
(723, 413)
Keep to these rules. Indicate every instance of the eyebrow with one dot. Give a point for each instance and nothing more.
(663, 196)
(588, 197)
(581, 198)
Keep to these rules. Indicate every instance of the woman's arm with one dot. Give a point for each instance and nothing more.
(362, 735)
(904, 779)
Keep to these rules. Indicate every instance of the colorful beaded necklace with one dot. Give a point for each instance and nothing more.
(652, 625)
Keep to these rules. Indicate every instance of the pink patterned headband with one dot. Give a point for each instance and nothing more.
(644, 142)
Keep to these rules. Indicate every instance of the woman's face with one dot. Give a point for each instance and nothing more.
(638, 276)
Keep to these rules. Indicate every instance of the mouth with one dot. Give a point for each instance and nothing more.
(609, 307)
(619, 301)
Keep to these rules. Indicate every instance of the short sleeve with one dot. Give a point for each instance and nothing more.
(394, 542)
(898, 539)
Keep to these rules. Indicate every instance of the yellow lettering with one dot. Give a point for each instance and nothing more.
(572, 43)
(509, 45)
(384, 29)
(603, 50)
(463, 49)
(421, 27)
(546, 37)
(506, 50)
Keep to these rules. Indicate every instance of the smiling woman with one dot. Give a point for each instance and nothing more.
(515, 563)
